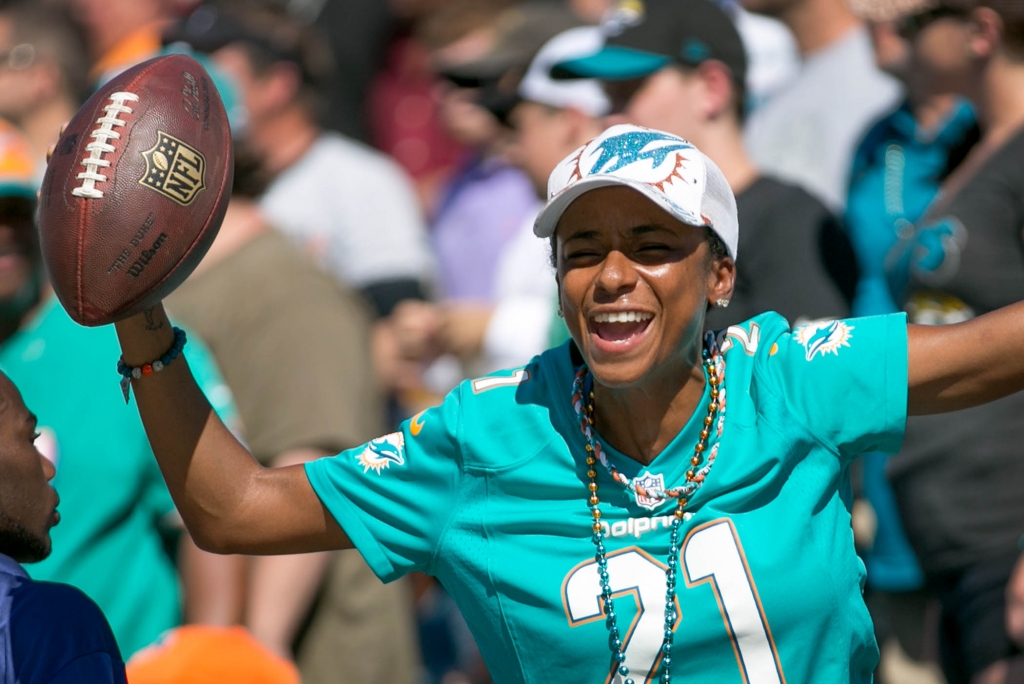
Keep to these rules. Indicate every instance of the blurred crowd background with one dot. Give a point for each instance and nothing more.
(390, 158)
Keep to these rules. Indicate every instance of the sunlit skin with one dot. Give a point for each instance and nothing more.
(618, 252)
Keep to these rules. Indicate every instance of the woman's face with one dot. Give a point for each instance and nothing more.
(634, 285)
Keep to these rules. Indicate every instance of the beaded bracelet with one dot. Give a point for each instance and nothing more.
(128, 373)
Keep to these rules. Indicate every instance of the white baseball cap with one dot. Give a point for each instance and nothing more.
(586, 94)
(668, 170)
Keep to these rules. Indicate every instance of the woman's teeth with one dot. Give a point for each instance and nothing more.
(623, 317)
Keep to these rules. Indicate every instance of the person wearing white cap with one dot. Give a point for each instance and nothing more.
(550, 118)
(641, 503)
(554, 117)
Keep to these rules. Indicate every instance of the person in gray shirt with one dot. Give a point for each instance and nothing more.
(808, 132)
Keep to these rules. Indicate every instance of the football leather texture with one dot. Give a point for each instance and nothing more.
(135, 190)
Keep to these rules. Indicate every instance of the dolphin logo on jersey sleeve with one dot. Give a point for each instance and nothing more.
(824, 337)
(383, 452)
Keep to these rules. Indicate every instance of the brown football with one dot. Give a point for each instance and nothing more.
(135, 190)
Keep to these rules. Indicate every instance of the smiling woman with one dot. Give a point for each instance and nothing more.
(634, 281)
(595, 514)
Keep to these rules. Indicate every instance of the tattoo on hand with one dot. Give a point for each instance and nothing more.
(150, 323)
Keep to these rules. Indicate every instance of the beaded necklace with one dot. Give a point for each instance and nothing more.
(695, 477)
(895, 163)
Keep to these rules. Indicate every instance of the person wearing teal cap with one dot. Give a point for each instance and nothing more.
(680, 67)
(119, 515)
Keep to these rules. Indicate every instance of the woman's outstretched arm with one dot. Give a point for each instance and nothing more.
(229, 502)
(958, 366)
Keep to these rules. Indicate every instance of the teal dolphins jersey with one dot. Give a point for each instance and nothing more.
(488, 492)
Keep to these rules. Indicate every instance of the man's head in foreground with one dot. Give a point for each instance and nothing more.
(28, 504)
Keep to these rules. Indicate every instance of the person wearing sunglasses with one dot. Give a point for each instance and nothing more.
(897, 171)
(955, 481)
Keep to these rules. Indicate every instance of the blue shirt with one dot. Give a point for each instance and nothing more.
(896, 174)
(52, 633)
(488, 492)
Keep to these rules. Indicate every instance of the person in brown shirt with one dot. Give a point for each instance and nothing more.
(294, 348)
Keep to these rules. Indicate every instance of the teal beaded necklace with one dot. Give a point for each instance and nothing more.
(695, 478)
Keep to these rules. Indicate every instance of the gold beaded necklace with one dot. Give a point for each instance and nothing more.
(695, 478)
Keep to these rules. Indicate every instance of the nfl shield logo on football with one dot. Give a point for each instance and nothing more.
(652, 484)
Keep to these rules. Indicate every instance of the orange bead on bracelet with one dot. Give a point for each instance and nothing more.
(129, 373)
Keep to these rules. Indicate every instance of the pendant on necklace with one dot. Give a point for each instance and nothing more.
(649, 490)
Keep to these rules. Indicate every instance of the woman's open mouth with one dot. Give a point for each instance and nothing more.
(618, 331)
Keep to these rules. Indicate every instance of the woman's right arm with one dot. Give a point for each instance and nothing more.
(229, 502)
